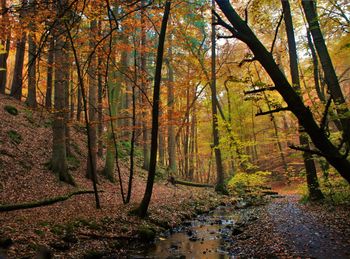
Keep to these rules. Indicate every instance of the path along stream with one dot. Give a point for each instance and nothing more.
(279, 229)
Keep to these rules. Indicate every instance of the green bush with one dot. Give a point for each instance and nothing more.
(73, 162)
(15, 137)
(11, 110)
(248, 183)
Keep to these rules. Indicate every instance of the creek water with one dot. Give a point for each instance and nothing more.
(207, 236)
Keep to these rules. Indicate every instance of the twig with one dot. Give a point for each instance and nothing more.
(276, 33)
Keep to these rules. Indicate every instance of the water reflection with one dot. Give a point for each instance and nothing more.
(208, 236)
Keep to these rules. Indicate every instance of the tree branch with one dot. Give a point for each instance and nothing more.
(276, 33)
(272, 88)
(311, 151)
(272, 111)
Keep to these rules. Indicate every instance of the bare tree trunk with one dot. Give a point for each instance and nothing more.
(311, 173)
(17, 82)
(187, 135)
(170, 101)
(66, 111)
(193, 136)
(142, 210)
(49, 79)
(59, 151)
(133, 134)
(219, 167)
(31, 100)
(91, 165)
(161, 146)
(99, 108)
(146, 154)
(309, 7)
(79, 103)
(6, 43)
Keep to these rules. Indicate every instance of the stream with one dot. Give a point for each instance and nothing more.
(207, 236)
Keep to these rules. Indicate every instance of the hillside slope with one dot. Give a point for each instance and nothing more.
(25, 149)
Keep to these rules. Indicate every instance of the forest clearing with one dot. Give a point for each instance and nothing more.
(174, 129)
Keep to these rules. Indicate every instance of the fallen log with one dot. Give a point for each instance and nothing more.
(34, 204)
(174, 181)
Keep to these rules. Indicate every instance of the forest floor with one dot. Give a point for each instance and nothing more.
(74, 228)
(289, 229)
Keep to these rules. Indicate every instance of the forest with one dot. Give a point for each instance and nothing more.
(174, 129)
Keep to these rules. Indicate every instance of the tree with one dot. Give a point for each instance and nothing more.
(170, 103)
(4, 48)
(145, 133)
(309, 7)
(49, 77)
(240, 29)
(142, 210)
(92, 72)
(219, 167)
(59, 164)
(311, 173)
(31, 100)
(17, 82)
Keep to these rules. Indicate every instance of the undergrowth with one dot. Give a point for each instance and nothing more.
(334, 188)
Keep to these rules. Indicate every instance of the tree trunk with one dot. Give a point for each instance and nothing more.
(219, 167)
(50, 64)
(193, 136)
(31, 100)
(142, 210)
(311, 173)
(17, 82)
(59, 149)
(170, 102)
(91, 165)
(6, 44)
(187, 135)
(145, 145)
(309, 7)
(315, 68)
(99, 108)
(66, 112)
(242, 31)
(161, 146)
(114, 87)
(133, 135)
(79, 103)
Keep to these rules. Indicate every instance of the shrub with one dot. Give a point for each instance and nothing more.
(15, 137)
(248, 183)
(11, 110)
